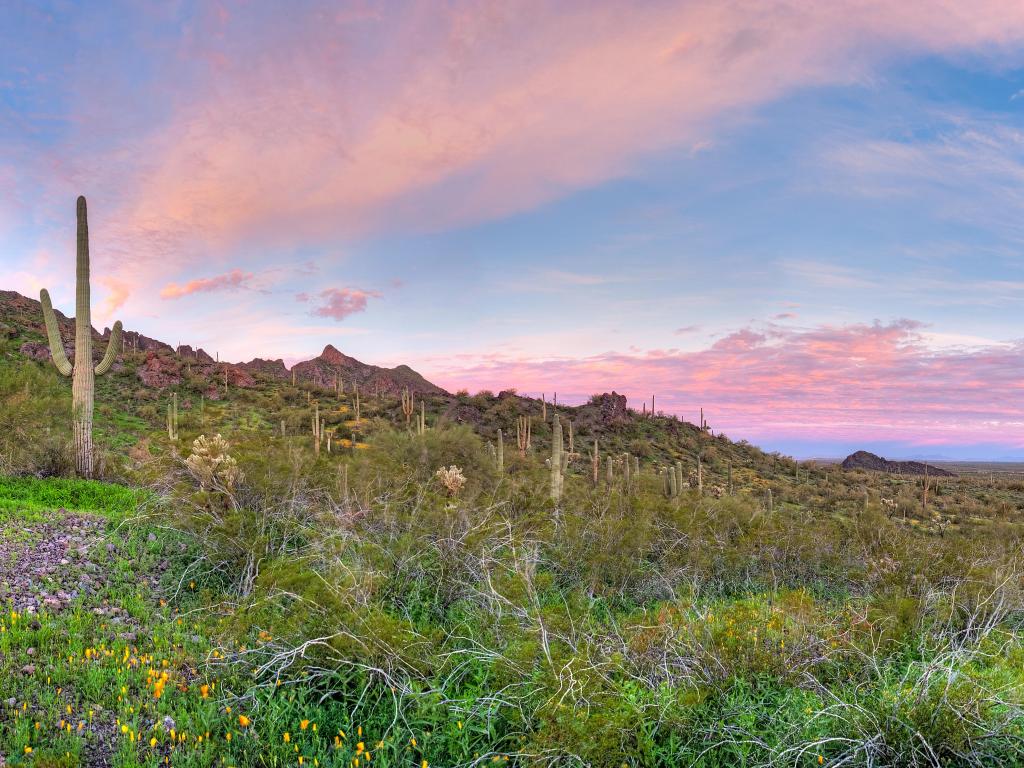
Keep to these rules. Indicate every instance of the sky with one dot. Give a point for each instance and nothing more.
(804, 217)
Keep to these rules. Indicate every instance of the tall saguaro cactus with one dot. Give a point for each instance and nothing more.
(83, 373)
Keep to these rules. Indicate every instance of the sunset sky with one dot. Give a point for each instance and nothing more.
(804, 216)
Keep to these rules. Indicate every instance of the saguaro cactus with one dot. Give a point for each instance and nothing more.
(408, 405)
(556, 458)
(83, 382)
(317, 429)
(523, 434)
(422, 419)
(500, 458)
(172, 417)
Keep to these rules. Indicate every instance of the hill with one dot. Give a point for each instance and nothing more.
(873, 463)
(149, 370)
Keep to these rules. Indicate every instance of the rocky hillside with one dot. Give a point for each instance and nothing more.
(873, 463)
(21, 318)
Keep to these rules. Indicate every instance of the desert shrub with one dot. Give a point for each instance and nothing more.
(35, 420)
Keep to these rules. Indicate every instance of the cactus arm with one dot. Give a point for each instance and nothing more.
(60, 358)
(113, 348)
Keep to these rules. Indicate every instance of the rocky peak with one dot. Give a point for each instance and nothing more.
(333, 356)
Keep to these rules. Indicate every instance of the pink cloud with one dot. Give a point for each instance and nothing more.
(877, 381)
(339, 303)
(118, 293)
(230, 281)
(473, 110)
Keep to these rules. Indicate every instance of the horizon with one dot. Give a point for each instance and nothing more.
(802, 219)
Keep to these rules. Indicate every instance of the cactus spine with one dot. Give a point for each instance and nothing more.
(556, 458)
(501, 452)
(172, 417)
(83, 383)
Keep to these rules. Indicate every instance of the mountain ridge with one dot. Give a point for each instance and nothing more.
(331, 368)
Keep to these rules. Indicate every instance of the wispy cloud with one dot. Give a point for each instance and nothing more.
(230, 281)
(970, 171)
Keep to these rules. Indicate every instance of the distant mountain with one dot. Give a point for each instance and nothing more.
(334, 368)
(874, 463)
(22, 317)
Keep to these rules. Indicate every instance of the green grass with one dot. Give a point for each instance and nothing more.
(29, 494)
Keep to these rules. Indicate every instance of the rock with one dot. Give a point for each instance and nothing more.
(39, 351)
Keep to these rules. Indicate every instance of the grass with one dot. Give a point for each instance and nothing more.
(34, 495)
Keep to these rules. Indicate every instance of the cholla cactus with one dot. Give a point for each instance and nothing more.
(211, 466)
(83, 373)
(452, 479)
